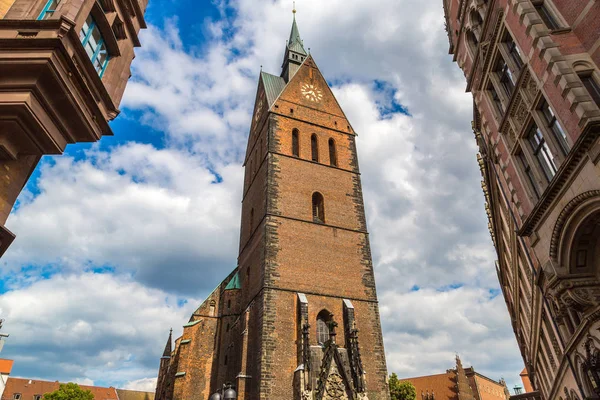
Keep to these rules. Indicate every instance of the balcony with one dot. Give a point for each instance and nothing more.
(50, 94)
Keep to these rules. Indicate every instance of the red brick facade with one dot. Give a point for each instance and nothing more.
(532, 67)
(304, 263)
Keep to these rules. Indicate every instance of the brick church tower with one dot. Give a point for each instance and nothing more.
(298, 318)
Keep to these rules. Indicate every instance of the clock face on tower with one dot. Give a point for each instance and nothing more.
(312, 92)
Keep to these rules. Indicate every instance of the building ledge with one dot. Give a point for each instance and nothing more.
(6, 239)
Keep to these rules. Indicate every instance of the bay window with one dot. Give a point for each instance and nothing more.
(94, 45)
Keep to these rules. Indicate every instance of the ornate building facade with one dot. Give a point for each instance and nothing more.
(290, 321)
(64, 65)
(532, 67)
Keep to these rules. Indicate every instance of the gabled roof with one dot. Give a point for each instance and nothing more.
(6, 366)
(273, 85)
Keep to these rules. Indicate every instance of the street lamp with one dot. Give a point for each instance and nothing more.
(226, 393)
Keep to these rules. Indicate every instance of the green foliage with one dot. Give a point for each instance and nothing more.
(70, 391)
(401, 390)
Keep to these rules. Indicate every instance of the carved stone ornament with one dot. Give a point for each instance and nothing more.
(521, 113)
(532, 88)
(306, 395)
(335, 388)
(362, 396)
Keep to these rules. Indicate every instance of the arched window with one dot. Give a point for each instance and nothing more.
(585, 249)
(323, 320)
(314, 146)
(318, 206)
(211, 310)
(295, 143)
(332, 153)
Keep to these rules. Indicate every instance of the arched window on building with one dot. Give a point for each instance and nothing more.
(314, 146)
(318, 208)
(211, 309)
(323, 320)
(585, 250)
(296, 143)
(332, 153)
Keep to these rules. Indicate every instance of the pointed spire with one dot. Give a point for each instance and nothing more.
(295, 43)
(167, 352)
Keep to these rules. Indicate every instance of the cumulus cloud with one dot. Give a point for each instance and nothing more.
(89, 327)
(164, 221)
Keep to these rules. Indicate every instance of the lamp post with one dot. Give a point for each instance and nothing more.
(226, 393)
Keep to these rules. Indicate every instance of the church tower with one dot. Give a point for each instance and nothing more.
(298, 318)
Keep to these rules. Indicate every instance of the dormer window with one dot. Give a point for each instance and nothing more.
(49, 9)
(94, 45)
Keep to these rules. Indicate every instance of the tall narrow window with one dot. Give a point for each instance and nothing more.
(295, 143)
(529, 174)
(506, 77)
(49, 9)
(332, 153)
(513, 51)
(318, 207)
(542, 152)
(496, 99)
(314, 146)
(555, 126)
(251, 221)
(94, 45)
(323, 320)
(546, 15)
(592, 87)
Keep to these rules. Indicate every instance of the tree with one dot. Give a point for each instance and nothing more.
(402, 390)
(70, 391)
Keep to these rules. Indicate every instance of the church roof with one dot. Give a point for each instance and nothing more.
(234, 283)
(167, 352)
(295, 43)
(273, 85)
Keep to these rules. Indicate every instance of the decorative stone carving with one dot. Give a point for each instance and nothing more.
(335, 388)
(521, 113)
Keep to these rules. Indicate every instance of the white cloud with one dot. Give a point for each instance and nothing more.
(156, 214)
(90, 327)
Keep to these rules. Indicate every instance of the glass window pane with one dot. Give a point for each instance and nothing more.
(592, 87)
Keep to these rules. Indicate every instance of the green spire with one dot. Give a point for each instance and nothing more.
(295, 43)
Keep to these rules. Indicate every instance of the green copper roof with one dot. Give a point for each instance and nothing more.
(274, 85)
(295, 43)
(234, 283)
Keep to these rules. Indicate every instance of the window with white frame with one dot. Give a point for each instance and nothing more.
(529, 174)
(506, 76)
(94, 45)
(49, 9)
(542, 152)
(555, 126)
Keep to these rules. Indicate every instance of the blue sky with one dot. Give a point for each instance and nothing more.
(120, 240)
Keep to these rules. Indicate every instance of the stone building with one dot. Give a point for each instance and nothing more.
(290, 321)
(64, 65)
(458, 384)
(532, 67)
